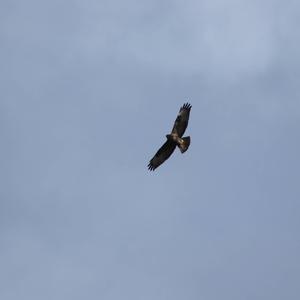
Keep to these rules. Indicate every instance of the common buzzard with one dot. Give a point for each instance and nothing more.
(174, 139)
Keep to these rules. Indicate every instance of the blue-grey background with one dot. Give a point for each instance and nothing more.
(88, 91)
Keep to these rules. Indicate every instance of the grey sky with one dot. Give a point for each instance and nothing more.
(88, 91)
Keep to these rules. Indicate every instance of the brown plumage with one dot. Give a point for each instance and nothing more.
(174, 139)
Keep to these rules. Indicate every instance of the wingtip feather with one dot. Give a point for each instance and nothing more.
(151, 167)
(187, 106)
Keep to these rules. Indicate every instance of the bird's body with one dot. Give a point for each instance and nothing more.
(173, 139)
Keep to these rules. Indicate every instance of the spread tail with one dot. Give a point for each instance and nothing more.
(184, 144)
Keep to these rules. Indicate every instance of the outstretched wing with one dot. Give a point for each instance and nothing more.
(162, 155)
(182, 120)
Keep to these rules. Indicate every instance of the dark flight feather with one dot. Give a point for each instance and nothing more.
(162, 155)
(182, 120)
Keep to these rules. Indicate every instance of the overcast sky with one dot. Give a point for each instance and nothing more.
(88, 91)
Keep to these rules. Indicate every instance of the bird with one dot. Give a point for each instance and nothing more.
(174, 138)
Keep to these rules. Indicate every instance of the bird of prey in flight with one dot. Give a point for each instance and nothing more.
(173, 139)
